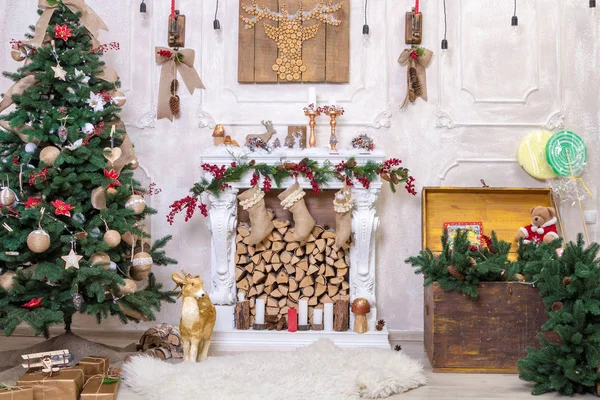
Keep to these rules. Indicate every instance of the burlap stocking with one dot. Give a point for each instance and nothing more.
(343, 204)
(293, 200)
(252, 201)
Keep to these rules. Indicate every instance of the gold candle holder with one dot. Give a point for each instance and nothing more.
(312, 114)
(333, 114)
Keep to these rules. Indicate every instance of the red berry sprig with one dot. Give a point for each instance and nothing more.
(410, 186)
(188, 203)
(267, 184)
(215, 170)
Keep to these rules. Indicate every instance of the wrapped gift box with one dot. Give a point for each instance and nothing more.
(16, 393)
(97, 389)
(94, 365)
(489, 334)
(63, 385)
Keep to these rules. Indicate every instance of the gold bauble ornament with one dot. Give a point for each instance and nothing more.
(100, 258)
(18, 55)
(48, 154)
(6, 280)
(136, 203)
(38, 241)
(112, 238)
(129, 237)
(111, 191)
(7, 196)
(119, 98)
(133, 164)
(129, 287)
(140, 266)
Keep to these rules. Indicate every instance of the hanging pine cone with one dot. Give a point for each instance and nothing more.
(412, 96)
(472, 261)
(380, 325)
(557, 306)
(414, 81)
(455, 273)
(174, 103)
(566, 281)
(174, 86)
(519, 278)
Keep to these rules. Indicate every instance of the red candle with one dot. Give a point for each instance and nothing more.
(173, 9)
(292, 320)
(416, 6)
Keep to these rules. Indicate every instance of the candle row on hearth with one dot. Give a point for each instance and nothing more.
(331, 317)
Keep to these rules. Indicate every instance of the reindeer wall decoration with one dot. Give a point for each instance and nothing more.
(290, 33)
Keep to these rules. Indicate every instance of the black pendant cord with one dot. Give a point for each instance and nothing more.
(143, 6)
(515, 20)
(216, 23)
(592, 3)
(366, 25)
(444, 40)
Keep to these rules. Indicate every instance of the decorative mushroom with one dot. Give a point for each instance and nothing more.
(360, 308)
(219, 135)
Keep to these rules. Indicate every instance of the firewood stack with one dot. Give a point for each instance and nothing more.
(162, 341)
(283, 271)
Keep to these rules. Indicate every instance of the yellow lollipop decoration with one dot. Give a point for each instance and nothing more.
(532, 155)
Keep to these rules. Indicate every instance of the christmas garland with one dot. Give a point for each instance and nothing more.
(319, 175)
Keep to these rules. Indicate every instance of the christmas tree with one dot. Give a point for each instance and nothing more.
(72, 213)
(569, 357)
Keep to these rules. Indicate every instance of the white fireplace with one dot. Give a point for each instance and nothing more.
(222, 223)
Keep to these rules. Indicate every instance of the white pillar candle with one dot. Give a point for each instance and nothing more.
(312, 96)
(303, 312)
(332, 102)
(328, 317)
(260, 311)
(318, 316)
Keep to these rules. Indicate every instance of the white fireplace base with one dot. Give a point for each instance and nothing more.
(226, 338)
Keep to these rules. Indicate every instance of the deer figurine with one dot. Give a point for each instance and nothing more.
(198, 316)
(264, 137)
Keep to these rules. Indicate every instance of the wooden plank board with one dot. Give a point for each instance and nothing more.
(337, 42)
(313, 50)
(503, 210)
(245, 51)
(265, 49)
(489, 334)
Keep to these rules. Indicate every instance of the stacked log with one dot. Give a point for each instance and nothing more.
(283, 271)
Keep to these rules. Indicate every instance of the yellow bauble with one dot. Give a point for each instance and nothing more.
(48, 154)
(136, 203)
(18, 55)
(140, 266)
(129, 287)
(100, 258)
(112, 238)
(133, 164)
(119, 98)
(7, 197)
(6, 280)
(38, 241)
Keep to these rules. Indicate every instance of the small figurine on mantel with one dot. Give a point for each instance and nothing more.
(363, 142)
(264, 137)
(219, 135)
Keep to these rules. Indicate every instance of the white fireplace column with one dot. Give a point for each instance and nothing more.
(222, 224)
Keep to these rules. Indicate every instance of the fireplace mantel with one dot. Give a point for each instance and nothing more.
(222, 224)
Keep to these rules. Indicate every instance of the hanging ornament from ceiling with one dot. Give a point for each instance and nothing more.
(216, 22)
(445, 40)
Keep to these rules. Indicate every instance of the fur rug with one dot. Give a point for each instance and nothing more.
(319, 371)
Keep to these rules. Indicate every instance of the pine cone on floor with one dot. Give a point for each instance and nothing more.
(455, 273)
(175, 105)
(380, 325)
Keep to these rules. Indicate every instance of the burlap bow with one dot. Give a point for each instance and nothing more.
(182, 61)
(89, 18)
(412, 59)
(18, 88)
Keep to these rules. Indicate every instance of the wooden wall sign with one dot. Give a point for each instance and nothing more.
(294, 41)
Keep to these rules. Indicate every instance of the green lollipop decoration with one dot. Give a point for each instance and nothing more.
(566, 153)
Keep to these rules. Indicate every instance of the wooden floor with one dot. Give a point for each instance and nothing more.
(440, 386)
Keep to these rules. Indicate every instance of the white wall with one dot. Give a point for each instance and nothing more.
(493, 88)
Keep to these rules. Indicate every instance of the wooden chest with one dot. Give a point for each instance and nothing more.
(489, 334)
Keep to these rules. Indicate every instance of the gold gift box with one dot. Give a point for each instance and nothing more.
(63, 385)
(16, 393)
(94, 365)
(95, 389)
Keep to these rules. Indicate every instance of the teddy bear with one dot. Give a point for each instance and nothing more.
(542, 228)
